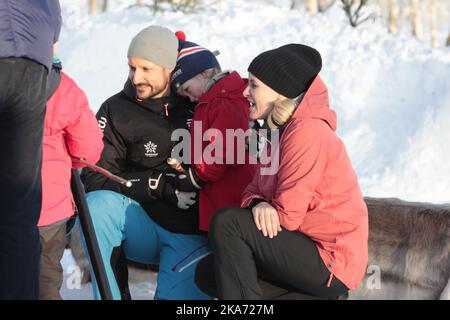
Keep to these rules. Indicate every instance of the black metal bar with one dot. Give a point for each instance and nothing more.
(87, 226)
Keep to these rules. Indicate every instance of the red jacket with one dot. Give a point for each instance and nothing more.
(70, 130)
(222, 107)
(316, 191)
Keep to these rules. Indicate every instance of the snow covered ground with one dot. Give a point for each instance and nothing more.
(391, 91)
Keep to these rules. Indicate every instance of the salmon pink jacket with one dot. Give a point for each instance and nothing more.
(71, 130)
(316, 191)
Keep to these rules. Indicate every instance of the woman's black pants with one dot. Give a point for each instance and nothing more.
(249, 266)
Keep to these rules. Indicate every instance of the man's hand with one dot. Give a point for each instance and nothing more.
(266, 219)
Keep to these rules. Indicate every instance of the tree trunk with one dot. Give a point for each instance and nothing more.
(139, 3)
(92, 6)
(311, 6)
(105, 6)
(417, 22)
(325, 4)
(433, 23)
(293, 4)
(393, 15)
(448, 40)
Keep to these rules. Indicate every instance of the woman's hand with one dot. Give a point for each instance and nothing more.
(266, 219)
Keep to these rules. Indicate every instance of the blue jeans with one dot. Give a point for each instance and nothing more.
(120, 220)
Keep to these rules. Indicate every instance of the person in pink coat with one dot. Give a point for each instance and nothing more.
(303, 226)
(70, 131)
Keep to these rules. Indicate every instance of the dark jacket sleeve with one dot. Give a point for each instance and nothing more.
(113, 159)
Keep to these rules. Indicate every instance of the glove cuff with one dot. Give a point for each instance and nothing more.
(196, 182)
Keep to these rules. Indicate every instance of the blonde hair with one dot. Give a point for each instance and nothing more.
(281, 112)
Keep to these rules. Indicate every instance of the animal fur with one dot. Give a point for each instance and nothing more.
(409, 243)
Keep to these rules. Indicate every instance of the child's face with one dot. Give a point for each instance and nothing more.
(193, 88)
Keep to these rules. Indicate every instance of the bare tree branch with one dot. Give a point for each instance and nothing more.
(354, 16)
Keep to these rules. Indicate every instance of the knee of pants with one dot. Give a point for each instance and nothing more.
(228, 221)
(104, 205)
(221, 217)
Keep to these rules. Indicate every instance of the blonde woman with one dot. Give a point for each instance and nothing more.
(305, 227)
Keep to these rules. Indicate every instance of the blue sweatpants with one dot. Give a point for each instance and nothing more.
(120, 220)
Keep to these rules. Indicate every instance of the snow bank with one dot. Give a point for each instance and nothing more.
(391, 91)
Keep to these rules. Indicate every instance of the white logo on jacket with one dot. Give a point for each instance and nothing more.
(102, 123)
(150, 149)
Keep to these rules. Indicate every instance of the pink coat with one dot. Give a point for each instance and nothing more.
(70, 130)
(316, 191)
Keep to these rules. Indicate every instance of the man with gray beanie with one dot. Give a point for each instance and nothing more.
(151, 222)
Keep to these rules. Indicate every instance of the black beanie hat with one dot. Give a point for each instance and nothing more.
(288, 70)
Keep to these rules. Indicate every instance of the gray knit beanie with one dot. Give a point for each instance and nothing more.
(156, 44)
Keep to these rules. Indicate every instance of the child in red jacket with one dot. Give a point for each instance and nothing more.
(70, 131)
(220, 169)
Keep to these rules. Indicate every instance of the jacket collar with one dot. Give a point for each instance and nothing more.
(315, 104)
(229, 86)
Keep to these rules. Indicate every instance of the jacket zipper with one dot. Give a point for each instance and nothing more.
(329, 280)
(174, 268)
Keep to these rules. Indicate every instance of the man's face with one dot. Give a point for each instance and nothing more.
(150, 80)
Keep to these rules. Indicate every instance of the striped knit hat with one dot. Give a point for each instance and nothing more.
(192, 60)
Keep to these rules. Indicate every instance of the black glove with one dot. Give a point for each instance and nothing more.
(161, 187)
(188, 181)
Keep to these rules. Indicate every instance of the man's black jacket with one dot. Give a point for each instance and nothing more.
(137, 139)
